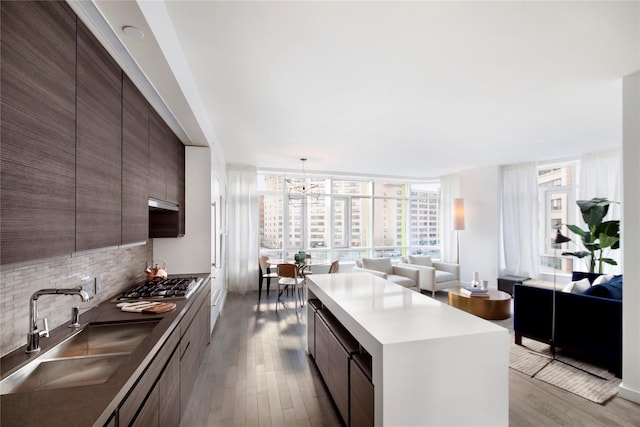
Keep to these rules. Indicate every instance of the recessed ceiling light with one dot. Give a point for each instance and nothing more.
(133, 32)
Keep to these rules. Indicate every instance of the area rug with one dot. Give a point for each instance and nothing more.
(583, 379)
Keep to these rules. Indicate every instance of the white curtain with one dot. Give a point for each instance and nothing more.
(449, 190)
(601, 176)
(520, 251)
(242, 202)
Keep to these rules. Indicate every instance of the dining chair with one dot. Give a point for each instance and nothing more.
(265, 273)
(307, 268)
(288, 275)
(335, 267)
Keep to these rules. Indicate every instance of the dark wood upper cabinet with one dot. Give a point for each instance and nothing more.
(176, 181)
(175, 164)
(81, 149)
(166, 177)
(135, 164)
(182, 187)
(37, 156)
(157, 157)
(98, 145)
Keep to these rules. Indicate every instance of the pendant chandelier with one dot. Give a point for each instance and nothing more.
(299, 191)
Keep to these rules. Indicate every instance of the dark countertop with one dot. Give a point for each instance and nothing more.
(94, 404)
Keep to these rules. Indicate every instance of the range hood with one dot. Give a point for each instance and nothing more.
(164, 219)
(155, 204)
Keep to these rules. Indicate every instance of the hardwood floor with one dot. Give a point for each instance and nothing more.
(256, 373)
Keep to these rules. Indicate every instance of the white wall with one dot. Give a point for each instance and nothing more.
(480, 189)
(205, 184)
(630, 223)
(191, 253)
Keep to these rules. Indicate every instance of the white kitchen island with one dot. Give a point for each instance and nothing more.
(432, 365)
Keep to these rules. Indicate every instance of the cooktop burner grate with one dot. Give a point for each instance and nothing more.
(171, 288)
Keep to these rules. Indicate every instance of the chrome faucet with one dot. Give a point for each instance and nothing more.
(34, 334)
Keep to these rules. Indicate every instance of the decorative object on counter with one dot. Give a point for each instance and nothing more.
(146, 307)
(598, 236)
(475, 283)
(484, 285)
(155, 271)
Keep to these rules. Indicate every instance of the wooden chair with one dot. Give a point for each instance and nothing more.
(307, 270)
(288, 275)
(265, 273)
(335, 266)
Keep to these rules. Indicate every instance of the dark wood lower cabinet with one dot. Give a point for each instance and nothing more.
(334, 348)
(338, 380)
(135, 401)
(161, 394)
(192, 345)
(112, 421)
(148, 415)
(361, 392)
(169, 393)
(312, 306)
(345, 367)
(323, 335)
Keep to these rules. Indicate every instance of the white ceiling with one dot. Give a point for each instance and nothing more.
(405, 89)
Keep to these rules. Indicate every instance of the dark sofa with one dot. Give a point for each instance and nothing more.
(590, 326)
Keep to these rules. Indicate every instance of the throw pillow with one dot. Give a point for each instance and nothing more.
(602, 279)
(580, 286)
(424, 260)
(568, 287)
(611, 290)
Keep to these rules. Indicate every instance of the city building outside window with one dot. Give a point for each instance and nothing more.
(347, 219)
(557, 189)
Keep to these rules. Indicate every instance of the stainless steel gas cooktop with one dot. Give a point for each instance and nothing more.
(164, 289)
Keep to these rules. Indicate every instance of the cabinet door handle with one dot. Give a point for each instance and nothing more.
(217, 298)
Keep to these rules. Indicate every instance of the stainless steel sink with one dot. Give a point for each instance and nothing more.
(89, 357)
(105, 338)
(61, 373)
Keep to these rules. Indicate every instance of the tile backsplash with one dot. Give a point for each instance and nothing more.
(116, 269)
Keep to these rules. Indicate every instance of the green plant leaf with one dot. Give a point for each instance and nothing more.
(591, 246)
(579, 231)
(579, 254)
(609, 261)
(609, 233)
(599, 235)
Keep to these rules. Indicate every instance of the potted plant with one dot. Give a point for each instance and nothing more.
(599, 236)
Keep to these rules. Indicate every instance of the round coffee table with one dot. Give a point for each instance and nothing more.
(496, 307)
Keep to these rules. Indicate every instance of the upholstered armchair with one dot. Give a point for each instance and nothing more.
(434, 275)
(401, 275)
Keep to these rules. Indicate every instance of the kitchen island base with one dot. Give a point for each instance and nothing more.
(431, 364)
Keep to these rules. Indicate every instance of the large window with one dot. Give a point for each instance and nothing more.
(346, 219)
(557, 190)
